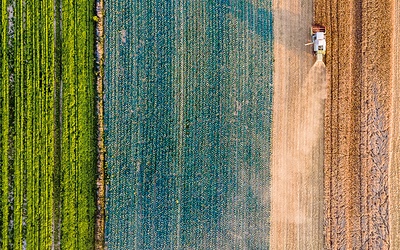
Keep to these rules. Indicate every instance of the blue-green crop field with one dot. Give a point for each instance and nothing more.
(188, 106)
(47, 124)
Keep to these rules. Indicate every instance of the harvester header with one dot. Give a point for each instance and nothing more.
(318, 41)
(317, 28)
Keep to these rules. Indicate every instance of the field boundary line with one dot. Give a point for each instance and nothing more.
(100, 182)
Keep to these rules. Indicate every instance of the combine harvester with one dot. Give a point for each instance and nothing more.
(318, 40)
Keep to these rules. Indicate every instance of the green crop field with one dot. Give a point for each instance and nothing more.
(47, 125)
(188, 106)
(187, 124)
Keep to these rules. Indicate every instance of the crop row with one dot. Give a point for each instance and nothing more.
(4, 127)
(78, 126)
(27, 124)
(47, 125)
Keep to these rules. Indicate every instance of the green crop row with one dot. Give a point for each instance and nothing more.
(38, 124)
(4, 131)
(27, 104)
(78, 144)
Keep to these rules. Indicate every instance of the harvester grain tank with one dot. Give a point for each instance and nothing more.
(318, 41)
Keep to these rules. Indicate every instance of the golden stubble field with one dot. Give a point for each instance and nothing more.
(297, 148)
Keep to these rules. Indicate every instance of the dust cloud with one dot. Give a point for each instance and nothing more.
(312, 100)
(298, 159)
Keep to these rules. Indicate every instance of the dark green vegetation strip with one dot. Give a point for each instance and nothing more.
(47, 111)
(188, 100)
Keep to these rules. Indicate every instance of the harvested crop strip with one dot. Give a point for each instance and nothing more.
(47, 111)
(298, 135)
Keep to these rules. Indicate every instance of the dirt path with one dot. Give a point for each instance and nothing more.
(101, 174)
(357, 122)
(297, 151)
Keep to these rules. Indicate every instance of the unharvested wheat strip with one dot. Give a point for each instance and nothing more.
(336, 186)
(350, 139)
(341, 123)
(394, 165)
(329, 116)
(376, 81)
(357, 101)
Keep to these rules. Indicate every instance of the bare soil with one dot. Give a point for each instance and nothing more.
(298, 135)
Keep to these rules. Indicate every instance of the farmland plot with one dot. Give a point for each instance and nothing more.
(361, 191)
(188, 95)
(47, 125)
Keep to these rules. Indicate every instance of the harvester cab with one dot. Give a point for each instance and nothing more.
(318, 41)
